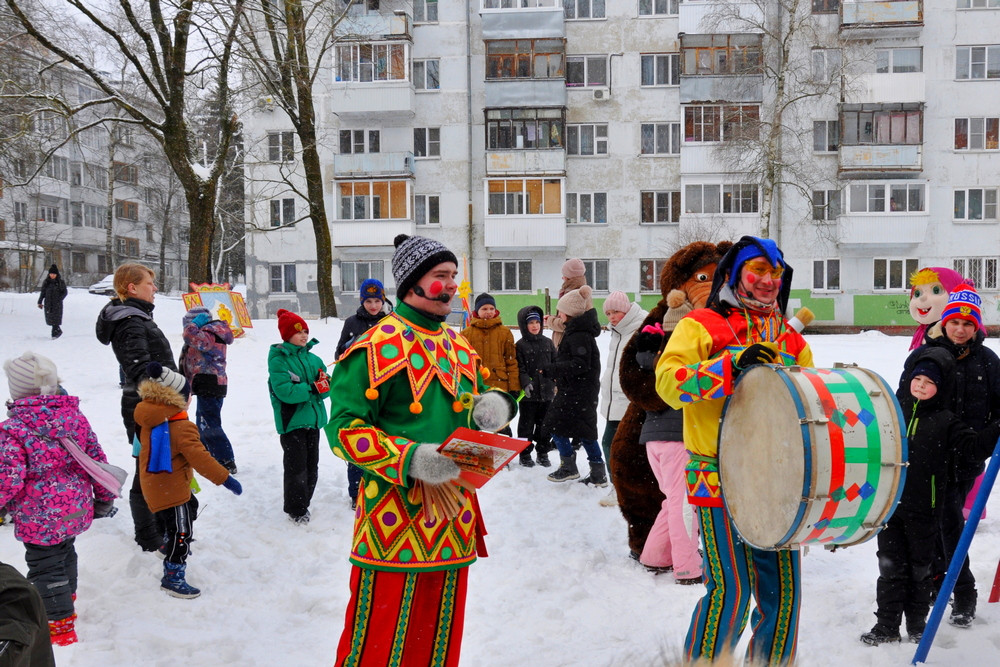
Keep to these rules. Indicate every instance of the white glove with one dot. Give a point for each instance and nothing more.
(429, 465)
(493, 410)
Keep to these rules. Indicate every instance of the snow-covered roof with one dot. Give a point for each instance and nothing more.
(17, 245)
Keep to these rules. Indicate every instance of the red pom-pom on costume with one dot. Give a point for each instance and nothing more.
(416, 408)
(457, 406)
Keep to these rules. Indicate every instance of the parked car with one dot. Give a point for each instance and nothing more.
(105, 286)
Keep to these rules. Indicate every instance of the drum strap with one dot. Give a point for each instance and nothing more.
(712, 460)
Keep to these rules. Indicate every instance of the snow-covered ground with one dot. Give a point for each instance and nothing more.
(557, 589)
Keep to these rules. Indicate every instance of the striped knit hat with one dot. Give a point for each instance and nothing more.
(964, 304)
(30, 375)
(414, 257)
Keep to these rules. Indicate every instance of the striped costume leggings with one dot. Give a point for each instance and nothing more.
(733, 572)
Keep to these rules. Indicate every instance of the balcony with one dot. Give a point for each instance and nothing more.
(368, 233)
(544, 18)
(372, 99)
(711, 88)
(551, 162)
(880, 88)
(699, 18)
(525, 92)
(525, 232)
(369, 165)
(362, 25)
(864, 19)
(895, 229)
(881, 158)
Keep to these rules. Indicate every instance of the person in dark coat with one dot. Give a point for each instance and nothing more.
(51, 297)
(577, 374)
(535, 352)
(371, 310)
(976, 401)
(937, 439)
(126, 324)
(24, 630)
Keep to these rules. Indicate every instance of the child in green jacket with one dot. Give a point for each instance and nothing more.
(298, 384)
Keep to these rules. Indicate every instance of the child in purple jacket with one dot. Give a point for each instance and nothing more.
(51, 498)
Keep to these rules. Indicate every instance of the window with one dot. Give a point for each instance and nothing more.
(126, 210)
(826, 204)
(660, 69)
(149, 233)
(373, 200)
(57, 167)
(886, 124)
(975, 204)
(825, 64)
(427, 209)
(282, 212)
(426, 74)
(893, 274)
(597, 273)
(584, 9)
(826, 274)
(981, 270)
(283, 278)
(19, 167)
(826, 136)
(649, 274)
(78, 261)
(98, 176)
(126, 173)
(977, 134)
(95, 216)
(658, 207)
(353, 141)
(127, 247)
(977, 62)
(717, 54)
(20, 211)
(524, 196)
(103, 265)
(586, 71)
(739, 198)
(524, 128)
(872, 197)
(702, 198)
(525, 58)
(48, 213)
(280, 146)
(75, 174)
(660, 139)
(825, 6)
(899, 61)
(978, 4)
(721, 123)
(587, 207)
(425, 11)
(728, 198)
(371, 62)
(510, 275)
(124, 134)
(427, 142)
(76, 213)
(352, 274)
(587, 139)
(658, 7)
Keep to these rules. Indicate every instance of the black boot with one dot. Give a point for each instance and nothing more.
(525, 459)
(597, 476)
(963, 610)
(881, 634)
(56, 331)
(567, 469)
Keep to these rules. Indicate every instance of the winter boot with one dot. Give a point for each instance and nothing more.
(543, 457)
(567, 469)
(597, 477)
(610, 500)
(962, 612)
(525, 459)
(62, 632)
(881, 634)
(173, 582)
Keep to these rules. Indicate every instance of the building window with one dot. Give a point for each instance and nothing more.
(352, 274)
(702, 123)
(826, 136)
(57, 167)
(660, 207)
(126, 210)
(977, 62)
(127, 247)
(825, 6)
(975, 204)
(48, 213)
(658, 7)
(126, 173)
(95, 216)
(872, 197)
(981, 270)
(586, 71)
(20, 211)
(660, 139)
(899, 61)
(895, 124)
(587, 139)
(977, 134)
(76, 213)
(510, 275)
(700, 198)
(78, 261)
(716, 54)
(373, 200)
(740, 198)
(102, 264)
(893, 274)
(587, 207)
(826, 274)
(427, 209)
(721, 123)
(98, 177)
(75, 174)
(282, 278)
(978, 4)
(826, 204)
(426, 74)
(524, 128)
(353, 141)
(427, 142)
(649, 274)
(371, 62)
(280, 146)
(425, 11)
(583, 9)
(525, 58)
(825, 64)
(149, 233)
(124, 134)
(660, 69)
(282, 212)
(524, 196)
(597, 273)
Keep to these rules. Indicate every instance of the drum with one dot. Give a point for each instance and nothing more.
(811, 455)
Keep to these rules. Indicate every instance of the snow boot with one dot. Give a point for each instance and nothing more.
(963, 612)
(543, 457)
(610, 500)
(525, 459)
(567, 469)
(62, 632)
(881, 634)
(597, 477)
(173, 582)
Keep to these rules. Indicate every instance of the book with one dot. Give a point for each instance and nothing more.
(481, 454)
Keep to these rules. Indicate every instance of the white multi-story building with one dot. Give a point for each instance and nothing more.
(523, 132)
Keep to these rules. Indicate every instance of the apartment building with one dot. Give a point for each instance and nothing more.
(523, 132)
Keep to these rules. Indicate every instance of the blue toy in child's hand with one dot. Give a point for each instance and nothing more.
(233, 485)
(201, 319)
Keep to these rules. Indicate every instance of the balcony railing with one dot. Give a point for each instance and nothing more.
(525, 93)
(869, 14)
(708, 88)
(895, 229)
(368, 233)
(527, 231)
(373, 164)
(907, 157)
(517, 19)
(380, 98)
(699, 18)
(880, 88)
(545, 162)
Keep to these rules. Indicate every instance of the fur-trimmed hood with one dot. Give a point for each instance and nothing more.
(157, 392)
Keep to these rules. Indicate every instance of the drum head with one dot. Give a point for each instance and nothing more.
(761, 457)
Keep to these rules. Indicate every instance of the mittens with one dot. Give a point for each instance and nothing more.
(233, 485)
(429, 465)
(104, 510)
(201, 319)
(756, 354)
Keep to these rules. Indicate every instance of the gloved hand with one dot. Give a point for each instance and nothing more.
(647, 346)
(756, 354)
(429, 465)
(201, 319)
(493, 410)
(233, 485)
(104, 510)
(528, 389)
(322, 383)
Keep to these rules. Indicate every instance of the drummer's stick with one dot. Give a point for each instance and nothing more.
(803, 317)
(961, 550)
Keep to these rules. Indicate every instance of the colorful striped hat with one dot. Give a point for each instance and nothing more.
(964, 304)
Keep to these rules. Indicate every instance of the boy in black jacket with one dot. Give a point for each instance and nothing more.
(937, 439)
(535, 352)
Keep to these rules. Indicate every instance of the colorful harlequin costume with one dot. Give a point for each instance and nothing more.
(696, 372)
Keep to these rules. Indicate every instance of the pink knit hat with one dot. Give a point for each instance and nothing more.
(617, 300)
(573, 268)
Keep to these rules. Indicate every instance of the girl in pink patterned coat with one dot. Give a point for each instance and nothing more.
(50, 497)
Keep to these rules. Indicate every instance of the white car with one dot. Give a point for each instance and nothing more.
(105, 286)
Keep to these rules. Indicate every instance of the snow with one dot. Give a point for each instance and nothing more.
(557, 589)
